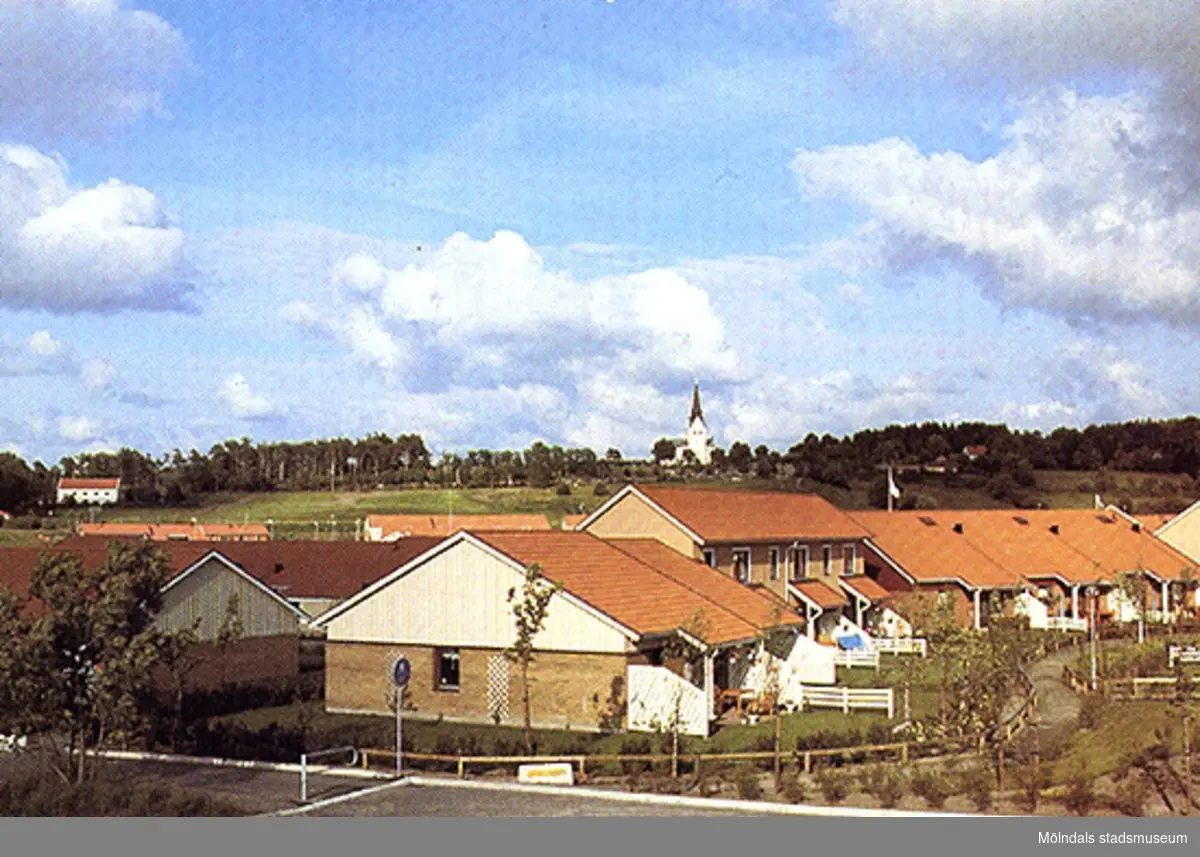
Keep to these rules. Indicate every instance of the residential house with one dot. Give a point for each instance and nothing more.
(386, 528)
(604, 648)
(95, 492)
(795, 546)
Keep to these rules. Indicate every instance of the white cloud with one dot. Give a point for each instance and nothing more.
(852, 293)
(235, 391)
(68, 249)
(1040, 415)
(782, 410)
(1102, 384)
(495, 304)
(1070, 217)
(78, 429)
(83, 65)
(1033, 40)
(98, 374)
(42, 344)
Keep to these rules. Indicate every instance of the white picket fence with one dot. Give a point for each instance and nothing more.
(1065, 623)
(849, 699)
(901, 645)
(1190, 655)
(855, 658)
(656, 694)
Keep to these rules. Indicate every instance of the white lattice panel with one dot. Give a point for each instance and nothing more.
(498, 687)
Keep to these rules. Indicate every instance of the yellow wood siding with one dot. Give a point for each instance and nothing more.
(204, 595)
(633, 518)
(1184, 534)
(459, 598)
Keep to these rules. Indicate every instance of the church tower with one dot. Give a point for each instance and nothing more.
(697, 440)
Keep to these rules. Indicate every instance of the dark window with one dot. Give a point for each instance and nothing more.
(848, 560)
(741, 564)
(799, 562)
(774, 563)
(710, 558)
(827, 560)
(445, 664)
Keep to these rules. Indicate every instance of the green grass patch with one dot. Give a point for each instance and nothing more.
(11, 538)
(1123, 729)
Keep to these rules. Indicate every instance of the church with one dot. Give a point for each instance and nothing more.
(698, 440)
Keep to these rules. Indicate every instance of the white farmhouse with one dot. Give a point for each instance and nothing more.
(96, 492)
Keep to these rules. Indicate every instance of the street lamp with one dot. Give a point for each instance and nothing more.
(1091, 593)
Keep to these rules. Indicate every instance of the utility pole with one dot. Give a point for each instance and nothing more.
(1092, 592)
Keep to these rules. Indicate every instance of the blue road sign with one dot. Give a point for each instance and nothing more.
(401, 671)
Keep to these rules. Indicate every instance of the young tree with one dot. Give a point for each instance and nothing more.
(663, 450)
(81, 647)
(230, 632)
(682, 648)
(1135, 590)
(530, 608)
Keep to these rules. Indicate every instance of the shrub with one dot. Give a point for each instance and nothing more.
(834, 785)
(976, 783)
(563, 490)
(795, 790)
(635, 747)
(1131, 795)
(601, 490)
(885, 784)
(1081, 793)
(748, 785)
(933, 787)
(37, 795)
(1091, 710)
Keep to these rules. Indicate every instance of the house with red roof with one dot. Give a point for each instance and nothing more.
(98, 491)
(604, 649)
(387, 528)
(798, 547)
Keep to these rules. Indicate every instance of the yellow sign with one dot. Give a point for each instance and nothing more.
(558, 774)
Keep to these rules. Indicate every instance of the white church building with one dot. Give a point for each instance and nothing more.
(698, 441)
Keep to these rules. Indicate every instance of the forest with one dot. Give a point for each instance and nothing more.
(1005, 470)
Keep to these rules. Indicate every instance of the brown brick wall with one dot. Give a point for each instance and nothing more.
(760, 561)
(243, 661)
(568, 689)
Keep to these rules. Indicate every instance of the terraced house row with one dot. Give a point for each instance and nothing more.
(751, 581)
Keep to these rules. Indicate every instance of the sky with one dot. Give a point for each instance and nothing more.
(495, 223)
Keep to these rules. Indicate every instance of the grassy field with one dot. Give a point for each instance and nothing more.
(1123, 730)
(308, 506)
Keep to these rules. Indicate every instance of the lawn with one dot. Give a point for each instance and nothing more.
(304, 507)
(1123, 729)
(10, 538)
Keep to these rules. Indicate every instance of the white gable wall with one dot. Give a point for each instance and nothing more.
(459, 598)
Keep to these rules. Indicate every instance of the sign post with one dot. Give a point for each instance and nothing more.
(401, 673)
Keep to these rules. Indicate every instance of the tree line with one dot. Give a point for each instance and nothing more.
(242, 465)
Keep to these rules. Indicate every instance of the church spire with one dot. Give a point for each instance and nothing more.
(697, 413)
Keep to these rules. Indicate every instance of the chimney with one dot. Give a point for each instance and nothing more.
(1054, 529)
(958, 528)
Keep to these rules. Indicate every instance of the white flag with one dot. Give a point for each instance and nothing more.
(1099, 502)
(893, 490)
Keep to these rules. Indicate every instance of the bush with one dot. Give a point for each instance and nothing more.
(1091, 710)
(933, 787)
(748, 785)
(834, 785)
(795, 790)
(37, 795)
(976, 783)
(601, 489)
(635, 747)
(1081, 793)
(1131, 795)
(563, 490)
(885, 784)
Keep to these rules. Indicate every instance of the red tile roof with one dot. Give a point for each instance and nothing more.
(570, 522)
(932, 551)
(866, 587)
(89, 484)
(822, 594)
(753, 516)
(295, 569)
(163, 532)
(633, 589)
(444, 525)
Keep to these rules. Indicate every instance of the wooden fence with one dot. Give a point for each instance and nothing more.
(901, 645)
(1148, 688)
(1065, 623)
(856, 659)
(849, 699)
(901, 751)
(1189, 655)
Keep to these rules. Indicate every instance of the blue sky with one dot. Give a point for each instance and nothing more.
(496, 223)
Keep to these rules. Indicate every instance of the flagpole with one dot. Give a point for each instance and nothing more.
(889, 487)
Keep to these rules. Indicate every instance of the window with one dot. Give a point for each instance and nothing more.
(710, 558)
(445, 665)
(827, 560)
(774, 557)
(848, 560)
(741, 564)
(799, 562)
